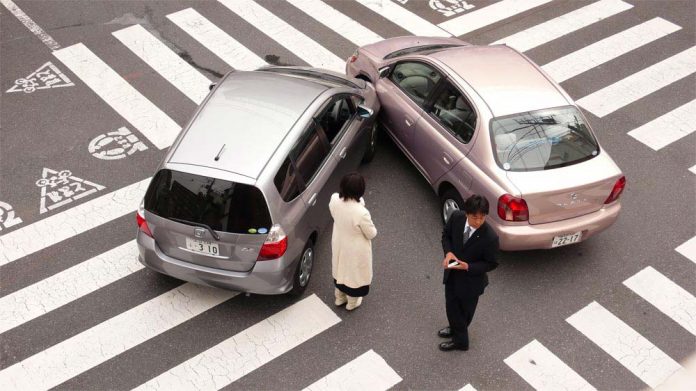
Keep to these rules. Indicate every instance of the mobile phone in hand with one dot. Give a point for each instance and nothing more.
(453, 263)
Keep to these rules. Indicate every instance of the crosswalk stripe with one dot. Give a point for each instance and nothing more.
(106, 340)
(609, 48)
(485, 16)
(250, 349)
(150, 121)
(404, 18)
(60, 289)
(543, 370)
(668, 297)
(468, 387)
(640, 84)
(667, 128)
(164, 61)
(337, 21)
(624, 344)
(563, 25)
(693, 169)
(74, 221)
(216, 40)
(369, 371)
(688, 248)
(292, 39)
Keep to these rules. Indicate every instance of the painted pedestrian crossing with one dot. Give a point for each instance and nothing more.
(488, 15)
(688, 249)
(667, 128)
(404, 18)
(369, 371)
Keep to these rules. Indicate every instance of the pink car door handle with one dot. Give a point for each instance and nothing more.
(408, 121)
(446, 159)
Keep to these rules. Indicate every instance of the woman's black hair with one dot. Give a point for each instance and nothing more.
(352, 187)
(476, 204)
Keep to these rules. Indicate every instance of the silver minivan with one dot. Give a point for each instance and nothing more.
(241, 197)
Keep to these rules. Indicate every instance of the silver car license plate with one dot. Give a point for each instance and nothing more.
(202, 246)
(566, 239)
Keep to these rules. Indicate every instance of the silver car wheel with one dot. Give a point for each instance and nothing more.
(448, 207)
(306, 266)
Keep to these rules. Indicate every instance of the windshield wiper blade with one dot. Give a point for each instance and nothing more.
(215, 235)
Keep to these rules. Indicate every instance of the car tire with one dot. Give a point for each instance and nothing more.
(371, 143)
(450, 201)
(303, 271)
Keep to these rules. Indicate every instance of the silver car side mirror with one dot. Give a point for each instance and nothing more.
(211, 86)
(365, 112)
(383, 72)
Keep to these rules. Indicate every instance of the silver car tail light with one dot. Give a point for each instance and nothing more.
(140, 218)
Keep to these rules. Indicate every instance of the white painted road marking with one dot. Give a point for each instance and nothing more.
(404, 18)
(216, 40)
(564, 24)
(292, 39)
(668, 297)
(106, 340)
(337, 21)
(152, 122)
(624, 344)
(693, 169)
(250, 349)
(368, 371)
(468, 387)
(640, 84)
(668, 128)
(164, 61)
(69, 285)
(61, 188)
(115, 145)
(688, 248)
(46, 77)
(543, 370)
(29, 23)
(607, 49)
(488, 15)
(7, 216)
(71, 222)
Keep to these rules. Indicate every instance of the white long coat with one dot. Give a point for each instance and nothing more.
(351, 242)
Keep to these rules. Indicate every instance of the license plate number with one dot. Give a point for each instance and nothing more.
(566, 239)
(202, 246)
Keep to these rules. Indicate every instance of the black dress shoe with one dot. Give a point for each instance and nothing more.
(445, 333)
(450, 345)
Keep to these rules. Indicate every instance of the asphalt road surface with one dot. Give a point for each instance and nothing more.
(77, 311)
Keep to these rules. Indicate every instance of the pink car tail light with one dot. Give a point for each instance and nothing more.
(512, 208)
(619, 187)
(275, 245)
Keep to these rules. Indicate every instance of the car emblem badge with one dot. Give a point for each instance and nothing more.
(198, 232)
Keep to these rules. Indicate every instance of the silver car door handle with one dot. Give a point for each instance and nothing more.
(444, 159)
(408, 122)
(313, 199)
(343, 152)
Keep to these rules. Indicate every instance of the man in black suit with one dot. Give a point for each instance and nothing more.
(470, 247)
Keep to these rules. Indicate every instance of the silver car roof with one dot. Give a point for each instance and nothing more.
(249, 113)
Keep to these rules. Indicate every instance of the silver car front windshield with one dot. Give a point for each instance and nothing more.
(542, 140)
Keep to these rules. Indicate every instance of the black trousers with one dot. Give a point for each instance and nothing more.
(460, 312)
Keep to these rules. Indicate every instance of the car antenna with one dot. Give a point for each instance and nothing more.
(217, 157)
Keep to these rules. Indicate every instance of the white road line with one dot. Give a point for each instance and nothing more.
(152, 122)
(609, 48)
(71, 222)
(404, 18)
(693, 169)
(69, 285)
(624, 344)
(292, 39)
(164, 61)
(337, 21)
(369, 371)
(106, 340)
(30, 24)
(668, 128)
(640, 84)
(216, 40)
(467, 387)
(564, 24)
(688, 248)
(668, 297)
(543, 370)
(250, 349)
(488, 15)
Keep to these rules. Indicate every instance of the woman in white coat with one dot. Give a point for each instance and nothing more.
(351, 242)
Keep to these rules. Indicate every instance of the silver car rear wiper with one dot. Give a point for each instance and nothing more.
(215, 235)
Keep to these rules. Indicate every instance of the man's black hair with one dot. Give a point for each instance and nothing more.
(476, 204)
(352, 187)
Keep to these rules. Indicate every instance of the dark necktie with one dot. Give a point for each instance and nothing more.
(467, 232)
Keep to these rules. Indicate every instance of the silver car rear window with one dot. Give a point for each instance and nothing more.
(222, 205)
(542, 140)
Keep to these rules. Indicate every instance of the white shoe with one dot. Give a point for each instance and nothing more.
(353, 303)
(341, 298)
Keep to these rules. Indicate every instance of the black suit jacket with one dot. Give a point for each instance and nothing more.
(479, 252)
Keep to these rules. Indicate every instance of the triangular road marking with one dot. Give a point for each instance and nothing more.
(60, 188)
(47, 76)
